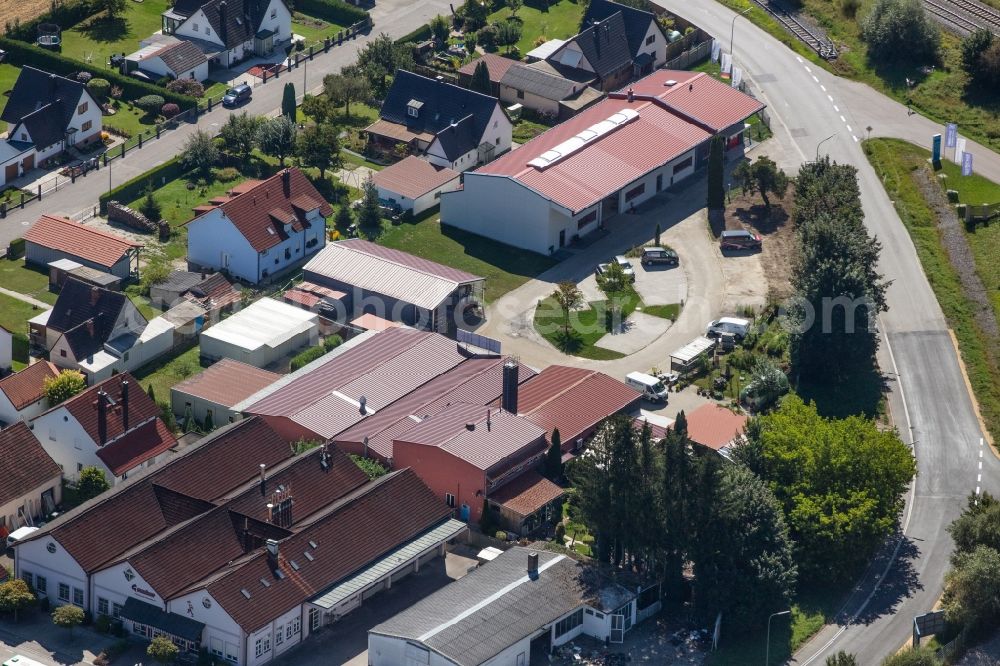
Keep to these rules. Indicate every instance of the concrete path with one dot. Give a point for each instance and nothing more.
(24, 297)
(638, 332)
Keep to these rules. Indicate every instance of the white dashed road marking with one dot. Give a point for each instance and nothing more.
(823, 87)
(843, 119)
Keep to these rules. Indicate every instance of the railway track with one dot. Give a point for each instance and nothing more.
(964, 16)
(820, 45)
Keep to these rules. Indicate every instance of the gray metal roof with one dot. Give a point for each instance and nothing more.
(376, 570)
(498, 604)
(540, 82)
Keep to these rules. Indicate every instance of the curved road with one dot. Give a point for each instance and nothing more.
(929, 398)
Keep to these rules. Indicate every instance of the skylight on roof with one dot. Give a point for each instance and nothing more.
(263, 581)
(581, 139)
(295, 565)
(245, 592)
(271, 231)
(280, 574)
(309, 556)
(313, 544)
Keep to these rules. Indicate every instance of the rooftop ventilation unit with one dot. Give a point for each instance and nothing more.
(573, 144)
(670, 83)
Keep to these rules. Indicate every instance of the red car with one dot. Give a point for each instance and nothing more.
(740, 239)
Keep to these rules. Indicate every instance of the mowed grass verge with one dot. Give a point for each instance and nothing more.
(555, 21)
(896, 163)
(97, 37)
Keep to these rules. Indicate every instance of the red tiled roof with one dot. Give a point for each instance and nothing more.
(413, 177)
(496, 65)
(714, 426)
(527, 493)
(357, 530)
(299, 297)
(27, 386)
(699, 97)
(372, 322)
(554, 399)
(24, 464)
(271, 205)
(83, 407)
(227, 382)
(78, 240)
(481, 445)
(138, 446)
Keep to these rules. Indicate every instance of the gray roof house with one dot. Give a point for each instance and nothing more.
(445, 124)
(521, 602)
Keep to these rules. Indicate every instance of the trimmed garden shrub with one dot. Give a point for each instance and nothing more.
(16, 249)
(307, 357)
(151, 104)
(188, 87)
(84, 77)
(99, 88)
(169, 110)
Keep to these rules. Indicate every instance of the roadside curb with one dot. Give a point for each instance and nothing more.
(972, 395)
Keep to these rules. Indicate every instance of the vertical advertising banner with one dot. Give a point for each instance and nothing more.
(966, 164)
(959, 149)
(950, 135)
(936, 148)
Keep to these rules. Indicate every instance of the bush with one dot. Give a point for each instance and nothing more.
(332, 342)
(226, 174)
(169, 110)
(99, 88)
(335, 11)
(84, 77)
(16, 249)
(20, 54)
(188, 87)
(560, 533)
(102, 624)
(899, 30)
(306, 357)
(151, 104)
(849, 8)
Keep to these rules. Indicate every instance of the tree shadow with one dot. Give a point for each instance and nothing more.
(861, 391)
(760, 217)
(104, 29)
(901, 582)
(567, 343)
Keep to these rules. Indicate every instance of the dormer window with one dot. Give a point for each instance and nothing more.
(413, 108)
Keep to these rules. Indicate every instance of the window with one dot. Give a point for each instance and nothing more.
(586, 219)
(412, 111)
(315, 617)
(635, 191)
(569, 622)
(125, 357)
(78, 596)
(41, 585)
(83, 108)
(231, 652)
(24, 136)
(79, 467)
(683, 164)
(62, 352)
(279, 635)
(63, 592)
(87, 125)
(650, 39)
(449, 499)
(258, 647)
(102, 606)
(217, 647)
(194, 26)
(294, 627)
(274, 13)
(208, 33)
(520, 94)
(116, 611)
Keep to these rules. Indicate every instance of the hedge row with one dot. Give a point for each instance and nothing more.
(423, 33)
(335, 11)
(65, 15)
(20, 54)
(131, 190)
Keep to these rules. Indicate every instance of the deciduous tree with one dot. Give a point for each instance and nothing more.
(762, 177)
(342, 89)
(239, 135)
(68, 617)
(440, 29)
(318, 146)
(15, 596)
(514, 6)
(508, 33)
(91, 483)
(200, 153)
(114, 8)
(569, 297)
(979, 524)
(276, 137)
(898, 31)
(63, 386)
(162, 650)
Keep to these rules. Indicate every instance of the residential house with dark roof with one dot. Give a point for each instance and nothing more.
(30, 481)
(645, 37)
(239, 547)
(98, 332)
(113, 425)
(167, 56)
(546, 92)
(262, 230)
(496, 66)
(229, 31)
(395, 285)
(511, 611)
(605, 161)
(53, 238)
(445, 124)
(22, 394)
(45, 115)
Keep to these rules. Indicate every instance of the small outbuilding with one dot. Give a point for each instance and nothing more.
(684, 359)
(52, 238)
(414, 185)
(715, 427)
(217, 389)
(265, 332)
(30, 481)
(61, 269)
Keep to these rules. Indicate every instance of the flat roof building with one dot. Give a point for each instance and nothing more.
(261, 334)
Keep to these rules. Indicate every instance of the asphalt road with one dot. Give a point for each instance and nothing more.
(395, 17)
(930, 402)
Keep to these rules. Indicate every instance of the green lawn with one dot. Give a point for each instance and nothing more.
(14, 316)
(896, 162)
(8, 75)
(167, 372)
(97, 37)
(314, 29)
(670, 311)
(943, 95)
(17, 276)
(559, 21)
(526, 130)
(214, 89)
(131, 120)
(504, 267)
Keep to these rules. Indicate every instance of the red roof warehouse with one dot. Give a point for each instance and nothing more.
(603, 161)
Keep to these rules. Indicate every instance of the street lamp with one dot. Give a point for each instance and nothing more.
(767, 649)
(822, 142)
(732, 30)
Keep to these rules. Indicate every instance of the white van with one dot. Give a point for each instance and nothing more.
(18, 534)
(649, 386)
(734, 325)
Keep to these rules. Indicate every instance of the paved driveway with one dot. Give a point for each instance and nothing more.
(346, 642)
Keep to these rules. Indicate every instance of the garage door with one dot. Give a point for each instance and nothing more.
(28, 163)
(10, 173)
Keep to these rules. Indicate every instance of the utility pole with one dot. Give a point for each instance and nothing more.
(732, 30)
(767, 650)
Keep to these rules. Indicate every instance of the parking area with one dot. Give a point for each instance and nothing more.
(346, 642)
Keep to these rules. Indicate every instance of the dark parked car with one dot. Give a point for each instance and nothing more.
(740, 239)
(659, 255)
(238, 95)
